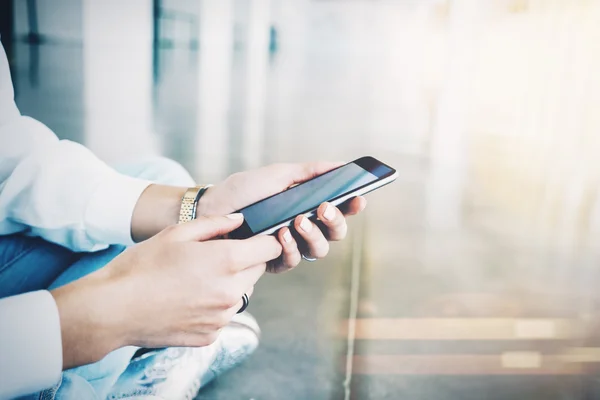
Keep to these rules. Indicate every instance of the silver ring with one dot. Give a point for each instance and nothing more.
(246, 301)
(309, 259)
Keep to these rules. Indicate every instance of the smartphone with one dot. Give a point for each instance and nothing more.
(336, 186)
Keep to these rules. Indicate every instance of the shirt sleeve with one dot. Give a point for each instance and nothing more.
(30, 344)
(58, 189)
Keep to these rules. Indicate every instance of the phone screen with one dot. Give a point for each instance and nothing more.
(309, 195)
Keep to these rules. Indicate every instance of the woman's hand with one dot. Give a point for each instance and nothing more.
(308, 238)
(178, 288)
(158, 207)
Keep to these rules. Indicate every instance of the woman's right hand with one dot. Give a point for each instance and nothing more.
(178, 288)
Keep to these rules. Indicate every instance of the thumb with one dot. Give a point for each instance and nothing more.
(205, 228)
(304, 172)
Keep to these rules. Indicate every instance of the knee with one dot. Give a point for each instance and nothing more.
(165, 171)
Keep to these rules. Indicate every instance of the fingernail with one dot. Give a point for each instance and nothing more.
(329, 213)
(287, 236)
(235, 216)
(306, 225)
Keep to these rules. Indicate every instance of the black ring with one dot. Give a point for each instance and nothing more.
(246, 301)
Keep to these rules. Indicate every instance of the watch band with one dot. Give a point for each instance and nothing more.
(189, 203)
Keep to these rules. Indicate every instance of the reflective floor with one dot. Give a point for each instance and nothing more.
(476, 274)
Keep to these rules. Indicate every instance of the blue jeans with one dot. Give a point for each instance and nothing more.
(28, 264)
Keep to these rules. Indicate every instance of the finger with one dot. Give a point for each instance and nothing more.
(240, 303)
(245, 280)
(234, 310)
(243, 283)
(316, 243)
(242, 254)
(204, 228)
(334, 221)
(304, 172)
(354, 206)
(291, 254)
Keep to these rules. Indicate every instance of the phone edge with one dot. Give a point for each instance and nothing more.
(358, 192)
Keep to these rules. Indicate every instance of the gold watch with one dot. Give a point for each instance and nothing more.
(189, 203)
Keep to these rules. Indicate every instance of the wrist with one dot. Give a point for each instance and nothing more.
(205, 206)
(157, 208)
(90, 318)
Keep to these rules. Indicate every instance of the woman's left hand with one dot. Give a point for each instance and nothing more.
(306, 237)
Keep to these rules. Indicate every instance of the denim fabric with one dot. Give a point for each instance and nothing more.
(28, 264)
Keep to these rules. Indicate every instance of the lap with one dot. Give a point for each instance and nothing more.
(28, 264)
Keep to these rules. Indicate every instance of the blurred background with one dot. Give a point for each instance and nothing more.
(475, 276)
